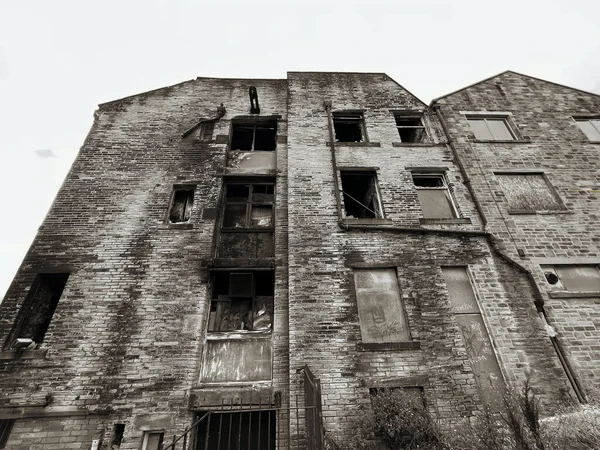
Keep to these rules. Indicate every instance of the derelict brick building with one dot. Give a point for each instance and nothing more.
(272, 252)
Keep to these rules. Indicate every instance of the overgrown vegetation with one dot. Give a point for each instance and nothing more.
(400, 421)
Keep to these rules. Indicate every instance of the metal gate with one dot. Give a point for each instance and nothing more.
(314, 414)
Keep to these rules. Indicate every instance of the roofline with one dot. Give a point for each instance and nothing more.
(516, 73)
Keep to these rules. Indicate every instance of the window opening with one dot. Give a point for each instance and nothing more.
(434, 196)
(411, 128)
(491, 128)
(349, 126)
(590, 126)
(181, 207)
(153, 440)
(254, 430)
(526, 192)
(6, 426)
(206, 131)
(259, 136)
(249, 205)
(242, 301)
(464, 307)
(380, 309)
(361, 195)
(573, 278)
(118, 432)
(37, 311)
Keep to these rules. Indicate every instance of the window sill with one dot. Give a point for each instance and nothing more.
(180, 226)
(388, 346)
(562, 211)
(355, 144)
(445, 221)
(268, 262)
(248, 230)
(238, 335)
(590, 294)
(416, 144)
(368, 221)
(10, 355)
(513, 141)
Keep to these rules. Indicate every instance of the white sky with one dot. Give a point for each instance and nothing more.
(60, 58)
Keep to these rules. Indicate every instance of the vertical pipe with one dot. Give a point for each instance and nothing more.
(336, 185)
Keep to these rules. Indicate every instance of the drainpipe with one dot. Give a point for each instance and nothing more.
(539, 299)
(336, 184)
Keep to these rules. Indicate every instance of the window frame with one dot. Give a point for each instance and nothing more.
(560, 287)
(399, 115)
(182, 187)
(146, 438)
(504, 117)
(445, 187)
(249, 204)
(6, 426)
(346, 116)
(254, 123)
(591, 119)
(207, 130)
(551, 189)
(380, 214)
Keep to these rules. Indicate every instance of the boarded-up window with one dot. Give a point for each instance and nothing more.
(36, 314)
(590, 126)
(237, 360)
(491, 128)
(463, 305)
(434, 196)
(526, 192)
(181, 206)
(361, 194)
(574, 278)
(380, 310)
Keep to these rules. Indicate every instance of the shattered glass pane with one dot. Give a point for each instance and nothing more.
(261, 216)
(235, 216)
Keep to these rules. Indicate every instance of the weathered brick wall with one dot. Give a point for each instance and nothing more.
(541, 111)
(324, 329)
(127, 337)
(54, 434)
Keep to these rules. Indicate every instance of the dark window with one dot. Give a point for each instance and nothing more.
(380, 311)
(254, 136)
(411, 128)
(361, 194)
(573, 278)
(181, 206)
(527, 192)
(153, 440)
(39, 306)
(6, 426)
(349, 126)
(206, 131)
(493, 128)
(434, 196)
(118, 432)
(254, 430)
(249, 205)
(242, 301)
(590, 126)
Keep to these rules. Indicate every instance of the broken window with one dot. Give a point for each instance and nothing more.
(590, 126)
(249, 430)
(464, 307)
(153, 440)
(242, 301)
(249, 205)
(254, 136)
(492, 128)
(6, 426)
(410, 128)
(434, 196)
(380, 310)
(349, 126)
(117, 439)
(573, 278)
(181, 205)
(39, 306)
(528, 192)
(206, 131)
(361, 195)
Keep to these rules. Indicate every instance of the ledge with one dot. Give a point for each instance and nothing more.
(10, 355)
(455, 221)
(388, 346)
(180, 226)
(591, 294)
(513, 141)
(410, 381)
(233, 395)
(51, 411)
(543, 213)
(368, 221)
(354, 144)
(269, 263)
(418, 144)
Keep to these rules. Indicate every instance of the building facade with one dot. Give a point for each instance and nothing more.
(255, 258)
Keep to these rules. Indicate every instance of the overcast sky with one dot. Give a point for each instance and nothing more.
(60, 58)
